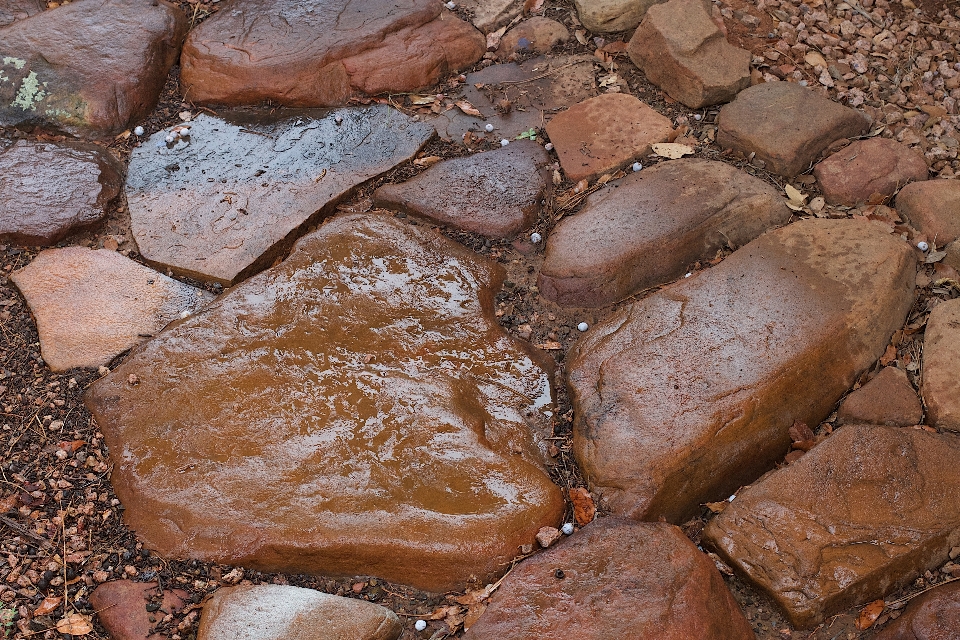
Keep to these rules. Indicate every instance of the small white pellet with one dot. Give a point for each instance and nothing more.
(420, 625)
(170, 137)
(488, 128)
(697, 117)
(451, 5)
(583, 326)
(923, 246)
(504, 142)
(637, 166)
(535, 237)
(567, 528)
(548, 146)
(184, 314)
(138, 131)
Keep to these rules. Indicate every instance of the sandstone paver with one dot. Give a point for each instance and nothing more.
(941, 366)
(933, 207)
(887, 399)
(868, 168)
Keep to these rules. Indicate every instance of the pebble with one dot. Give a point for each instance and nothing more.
(567, 528)
(535, 238)
(923, 246)
(138, 131)
(548, 146)
(420, 625)
(504, 142)
(488, 128)
(637, 166)
(451, 5)
(583, 326)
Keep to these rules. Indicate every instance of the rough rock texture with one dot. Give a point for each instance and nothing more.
(688, 394)
(537, 34)
(933, 616)
(228, 200)
(602, 134)
(92, 305)
(855, 518)
(322, 54)
(887, 399)
(933, 207)
(13, 10)
(282, 612)
(865, 168)
(607, 16)
(648, 228)
(49, 189)
(496, 193)
(490, 15)
(644, 581)
(89, 68)
(952, 259)
(941, 366)
(369, 355)
(786, 125)
(121, 607)
(683, 51)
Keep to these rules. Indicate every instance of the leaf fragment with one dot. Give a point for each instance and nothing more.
(869, 614)
(49, 605)
(672, 150)
(794, 194)
(468, 108)
(75, 624)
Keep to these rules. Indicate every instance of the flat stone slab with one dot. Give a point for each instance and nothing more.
(603, 134)
(680, 48)
(54, 71)
(121, 607)
(932, 206)
(868, 168)
(608, 16)
(322, 54)
(48, 190)
(787, 126)
(490, 15)
(649, 227)
(536, 34)
(941, 366)
(935, 615)
(92, 305)
(615, 579)
(229, 199)
(354, 410)
(690, 393)
(282, 612)
(857, 517)
(13, 10)
(887, 399)
(496, 193)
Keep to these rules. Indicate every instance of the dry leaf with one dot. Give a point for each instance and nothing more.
(793, 205)
(935, 256)
(794, 194)
(493, 38)
(422, 99)
(71, 446)
(869, 614)
(581, 36)
(614, 48)
(609, 80)
(550, 345)
(473, 614)
(889, 355)
(49, 605)
(468, 108)
(75, 625)
(671, 150)
(442, 612)
(427, 161)
(814, 59)
(584, 510)
(581, 186)
(531, 6)
(475, 596)
(717, 507)
(8, 503)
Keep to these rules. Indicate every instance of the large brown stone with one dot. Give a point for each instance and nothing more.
(322, 54)
(231, 198)
(537, 34)
(606, 16)
(935, 615)
(92, 305)
(941, 366)
(603, 134)
(489, 15)
(688, 394)
(354, 410)
(860, 515)
(13, 10)
(48, 190)
(865, 168)
(648, 228)
(121, 607)
(496, 193)
(643, 581)
(887, 399)
(787, 126)
(933, 207)
(680, 48)
(91, 68)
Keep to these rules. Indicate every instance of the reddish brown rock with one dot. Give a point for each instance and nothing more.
(490, 15)
(121, 607)
(48, 190)
(688, 394)
(13, 10)
(941, 366)
(648, 229)
(887, 399)
(537, 35)
(933, 616)
(952, 259)
(787, 126)
(857, 517)
(933, 207)
(321, 55)
(615, 579)
(496, 193)
(680, 48)
(868, 168)
(354, 410)
(603, 134)
(54, 68)
(607, 16)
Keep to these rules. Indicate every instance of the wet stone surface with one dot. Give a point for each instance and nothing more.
(933, 616)
(941, 371)
(13, 10)
(123, 607)
(887, 399)
(933, 207)
(869, 170)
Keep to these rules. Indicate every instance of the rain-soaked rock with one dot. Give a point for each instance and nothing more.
(857, 517)
(935, 615)
(887, 399)
(537, 35)
(354, 410)
(13, 10)
(941, 366)
(787, 126)
(321, 54)
(89, 68)
(607, 16)
(933, 206)
(489, 15)
(121, 607)
(867, 169)
(49, 189)
(683, 51)
(615, 579)
(649, 227)
(688, 394)
(602, 134)
(496, 193)
(282, 612)
(92, 305)
(231, 196)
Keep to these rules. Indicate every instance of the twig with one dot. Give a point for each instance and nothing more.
(921, 592)
(542, 75)
(22, 530)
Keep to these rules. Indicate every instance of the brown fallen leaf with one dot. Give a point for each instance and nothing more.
(468, 108)
(8, 503)
(75, 624)
(49, 605)
(889, 355)
(427, 161)
(442, 612)
(71, 446)
(717, 507)
(418, 100)
(581, 36)
(869, 614)
(532, 5)
(475, 596)
(584, 510)
(550, 345)
(473, 614)
(615, 48)
(800, 432)
(671, 150)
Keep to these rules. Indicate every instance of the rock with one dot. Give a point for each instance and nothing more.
(607, 16)
(680, 48)
(231, 199)
(282, 612)
(615, 579)
(92, 305)
(603, 134)
(887, 399)
(868, 168)
(688, 394)
(547, 536)
(649, 227)
(496, 193)
(941, 366)
(321, 55)
(786, 125)
(857, 517)
(121, 607)
(54, 70)
(934, 615)
(48, 190)
(354, 410)
(933, 207)
(13, 10)
(952, 259)
(536, 34)
(490, 15)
